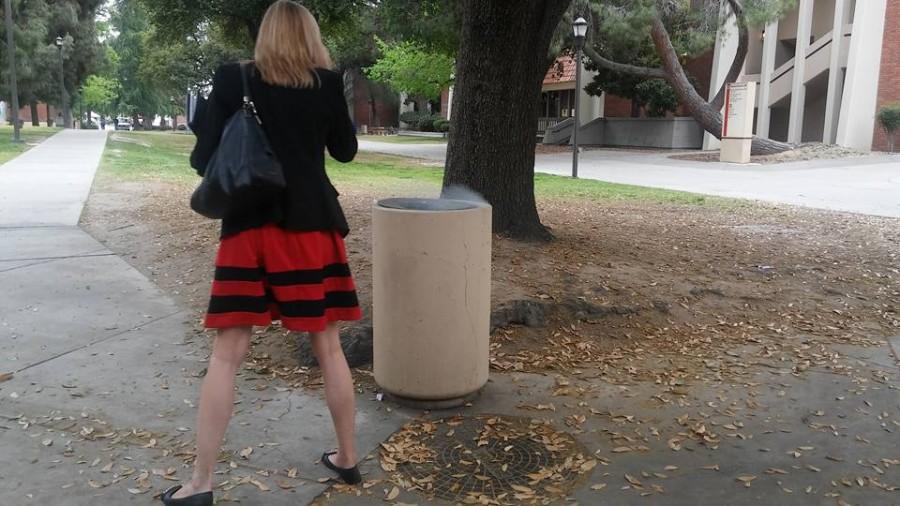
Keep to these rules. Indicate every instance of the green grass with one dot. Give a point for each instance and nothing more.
(164, 156)
(403, 139)
(31, 136)
(149, 155)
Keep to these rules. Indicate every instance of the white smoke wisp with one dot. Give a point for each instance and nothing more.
(460, 192)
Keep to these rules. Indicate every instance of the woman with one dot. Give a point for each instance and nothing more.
(285, 260)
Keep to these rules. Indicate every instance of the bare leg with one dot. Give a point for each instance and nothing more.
(216, 405)
(339, 393)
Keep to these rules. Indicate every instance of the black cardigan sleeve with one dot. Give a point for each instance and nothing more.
(341, 139)
(220, 106)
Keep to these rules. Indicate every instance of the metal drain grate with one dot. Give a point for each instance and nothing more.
(501, 459)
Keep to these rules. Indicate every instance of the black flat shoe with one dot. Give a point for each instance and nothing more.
(201, 499)
(349, 476)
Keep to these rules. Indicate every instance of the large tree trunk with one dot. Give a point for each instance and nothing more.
(500, 66)
(35, 118)
(49, 116)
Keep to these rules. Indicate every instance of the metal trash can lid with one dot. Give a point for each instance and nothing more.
(412, 204)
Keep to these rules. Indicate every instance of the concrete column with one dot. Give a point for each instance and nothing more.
(855, 125)
(589, 107)
(798, 88)
(770, 43)
(449, 102)
(835, 83)
(726, 49)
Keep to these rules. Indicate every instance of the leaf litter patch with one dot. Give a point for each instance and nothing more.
(485, 460)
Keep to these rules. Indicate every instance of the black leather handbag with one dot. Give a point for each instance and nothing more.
(243, 172)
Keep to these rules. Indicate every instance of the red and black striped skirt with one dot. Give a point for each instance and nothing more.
(268, 273)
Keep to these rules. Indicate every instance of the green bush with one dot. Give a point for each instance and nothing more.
(889, 118)
(411, 118)
(426, 124)
(441, 125)
(421, 121)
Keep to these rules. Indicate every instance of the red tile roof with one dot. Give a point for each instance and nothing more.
(561, 71)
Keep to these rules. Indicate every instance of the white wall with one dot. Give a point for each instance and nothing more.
(589, 107)
(823, 18)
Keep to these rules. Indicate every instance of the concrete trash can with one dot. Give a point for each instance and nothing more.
(431, 299)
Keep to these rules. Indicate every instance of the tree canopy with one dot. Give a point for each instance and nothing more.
(410, 67)
(37, 24)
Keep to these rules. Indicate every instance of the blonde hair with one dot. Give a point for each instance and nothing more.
(289, 46)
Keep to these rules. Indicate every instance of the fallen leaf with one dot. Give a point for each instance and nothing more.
(634, 481)
(245, 453)
(599, 486)
(587, 466)
(6, 376)
(135, 491)
(393, 494)
(622, 449)
(47, 442)
(714, 467)
(746, 479)
(260, 485)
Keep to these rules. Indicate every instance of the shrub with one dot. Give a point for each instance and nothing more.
(411, 118)
(421, 121)
(441, 125)
(426, 124)
(889, 118)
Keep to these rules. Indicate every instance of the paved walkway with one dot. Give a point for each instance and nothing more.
(868, 185)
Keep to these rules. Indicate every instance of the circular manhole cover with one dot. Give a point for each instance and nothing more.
(501, 459)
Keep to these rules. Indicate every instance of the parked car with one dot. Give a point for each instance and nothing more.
(124, 124)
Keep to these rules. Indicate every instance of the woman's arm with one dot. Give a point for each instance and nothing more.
(341, 139)
(211, 121)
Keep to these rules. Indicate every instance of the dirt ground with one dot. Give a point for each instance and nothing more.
(717, 329)
(688, 283)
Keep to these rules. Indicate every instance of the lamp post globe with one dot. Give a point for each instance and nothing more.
(579, 29)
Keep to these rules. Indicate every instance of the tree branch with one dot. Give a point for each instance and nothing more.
(645, 72)
(738, 64)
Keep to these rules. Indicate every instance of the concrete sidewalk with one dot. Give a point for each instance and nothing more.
(867, 185)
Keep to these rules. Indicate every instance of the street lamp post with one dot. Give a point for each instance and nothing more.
(63, 95)
(13, 85)
(579, 27)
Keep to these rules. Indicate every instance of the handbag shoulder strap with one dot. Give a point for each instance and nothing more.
(245, 80)
(249, 106)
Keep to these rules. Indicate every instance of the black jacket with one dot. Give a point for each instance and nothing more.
(299, 123)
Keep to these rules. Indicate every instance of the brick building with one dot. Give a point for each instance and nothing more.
(889, 78)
